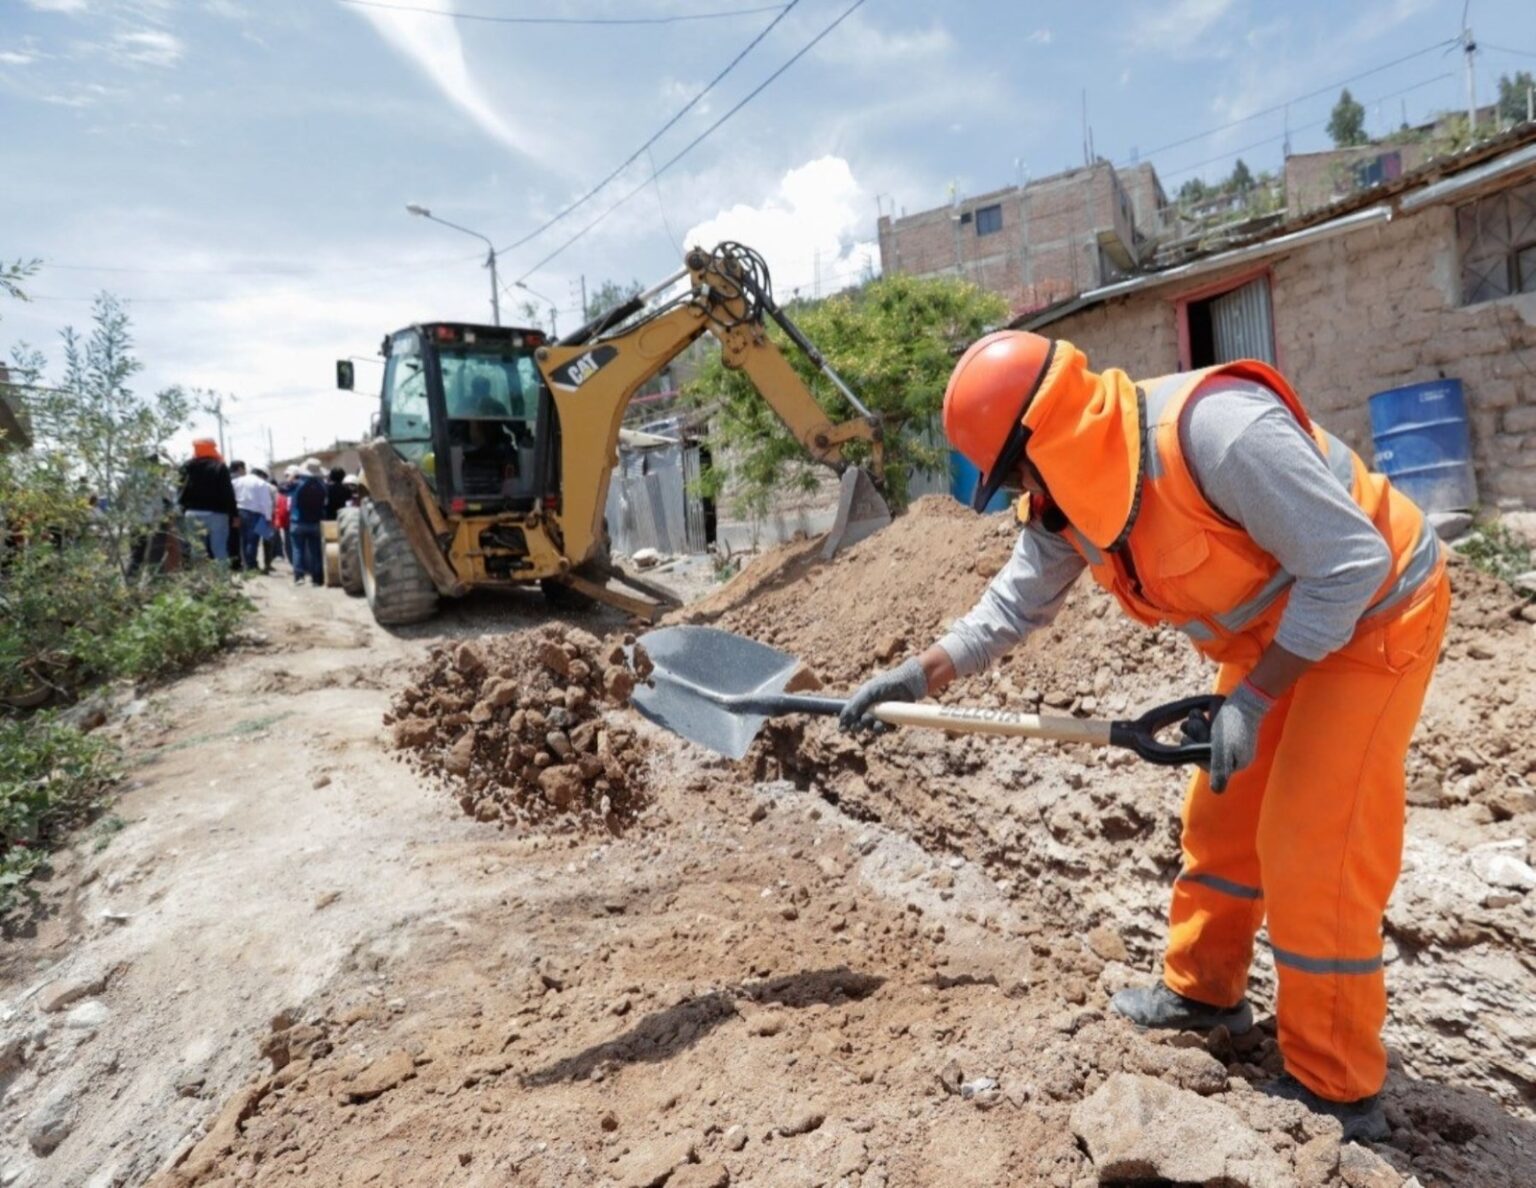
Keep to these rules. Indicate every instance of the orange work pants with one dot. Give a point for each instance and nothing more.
(1310, 835)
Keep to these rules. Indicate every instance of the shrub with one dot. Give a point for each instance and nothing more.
(176, 628)
(1494, 549)
(51, 778)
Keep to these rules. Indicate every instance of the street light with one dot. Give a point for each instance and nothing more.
(553, 328)
(421, 211)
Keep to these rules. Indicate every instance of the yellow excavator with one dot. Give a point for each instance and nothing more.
(495, 445)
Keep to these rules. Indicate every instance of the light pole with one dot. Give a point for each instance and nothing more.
(416, 208)
(553, 327)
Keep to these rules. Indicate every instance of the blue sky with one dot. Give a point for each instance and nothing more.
(239, 169)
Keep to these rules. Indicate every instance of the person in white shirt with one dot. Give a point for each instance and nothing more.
(253, 496)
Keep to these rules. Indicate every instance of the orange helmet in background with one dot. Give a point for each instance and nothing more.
(984, 404)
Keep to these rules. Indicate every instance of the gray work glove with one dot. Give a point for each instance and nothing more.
(905, 682)
(1235, 733)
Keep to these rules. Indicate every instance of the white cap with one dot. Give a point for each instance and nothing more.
(291, 472)
(312, 466)
(353, 480)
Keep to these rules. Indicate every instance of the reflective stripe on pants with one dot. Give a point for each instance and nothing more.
(1316, 821)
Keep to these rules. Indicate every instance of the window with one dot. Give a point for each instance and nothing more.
(1233, 325)
(989, 219)
(407, 422)
(1496, 236)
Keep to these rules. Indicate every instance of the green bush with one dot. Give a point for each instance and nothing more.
(51, 778)
(176, 628)
(1494, 549)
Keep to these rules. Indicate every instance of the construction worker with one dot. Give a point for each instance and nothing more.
(1209, 501)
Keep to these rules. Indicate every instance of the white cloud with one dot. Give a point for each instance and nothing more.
(1040, 37)
(148, 47)
(434, 47)
(1179, 28)
(812, 221)
(15, 58)
(57, 5)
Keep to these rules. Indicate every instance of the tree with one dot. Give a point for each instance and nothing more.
(1192, 192)
(608, 294)
(1513, 94)
(894, 341)
(1241, 180)
(11, 276)
(1347, 123)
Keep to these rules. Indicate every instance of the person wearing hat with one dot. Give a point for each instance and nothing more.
(1210, 501)
(306, 509)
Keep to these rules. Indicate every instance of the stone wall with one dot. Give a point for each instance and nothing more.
(1364, 311)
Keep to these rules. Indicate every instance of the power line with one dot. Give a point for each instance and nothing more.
(699, 139)
(1303, 128)
(1439, 45)
(1504, 49)
(515, 20)
(634, 156)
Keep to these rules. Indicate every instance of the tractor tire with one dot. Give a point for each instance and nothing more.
(396, 586)
(349, 526)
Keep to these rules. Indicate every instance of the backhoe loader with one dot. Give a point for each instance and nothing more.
(495, 446)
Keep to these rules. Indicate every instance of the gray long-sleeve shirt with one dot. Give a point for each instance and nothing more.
(1258, 468)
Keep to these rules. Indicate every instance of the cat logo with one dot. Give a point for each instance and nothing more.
(579, 370)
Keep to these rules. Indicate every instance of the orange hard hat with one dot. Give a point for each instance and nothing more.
(984, 404)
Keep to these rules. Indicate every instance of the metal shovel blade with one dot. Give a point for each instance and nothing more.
(861, 511)
(696, 670)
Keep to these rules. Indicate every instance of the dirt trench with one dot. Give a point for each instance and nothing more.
(830, 964)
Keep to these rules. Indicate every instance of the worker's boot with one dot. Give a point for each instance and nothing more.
(1158, 1006)
(1363, 1121)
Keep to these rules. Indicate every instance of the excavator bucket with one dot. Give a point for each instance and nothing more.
(861, 511)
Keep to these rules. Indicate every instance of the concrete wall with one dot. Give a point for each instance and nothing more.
(1316, 179)
(1365, 311)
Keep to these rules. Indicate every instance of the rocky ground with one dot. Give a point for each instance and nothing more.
(301, 962)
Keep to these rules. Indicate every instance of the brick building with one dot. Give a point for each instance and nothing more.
(1035, 243)
(1431, 275)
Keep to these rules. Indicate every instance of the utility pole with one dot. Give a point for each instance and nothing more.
(554, 328)
(271, 450)
(1469, 51)
(216, 407)
(421, 211)
(585, 313)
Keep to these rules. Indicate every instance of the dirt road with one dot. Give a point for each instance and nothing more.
(297, 963)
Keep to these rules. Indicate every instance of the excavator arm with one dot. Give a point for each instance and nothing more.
(593, 372)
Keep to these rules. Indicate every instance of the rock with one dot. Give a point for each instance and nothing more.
(735, 1138)
(951, 1076)
(1426, 791)
(498, 692)
(652, 1164)
(804, 1122)
(1480, 651)
(562, 785)
(977, 1086)
(1510, 801)
(1059, 699)
(414, 732)
(88, 1015)
(1107, 943)
(381, 1076)
(321, 781)
(467, 659)
(1360, 1167)
(618, 683)
(1137, 1128)
(889, 648)
(50, 1124)
(461, 754)
(57, 995)
(1525, 581)
(1503, 870)
(552, 656)
(700, 1175)
(88, 715)
(559, 743)
(1194, 1069)
(645, 558)
(1450, 525)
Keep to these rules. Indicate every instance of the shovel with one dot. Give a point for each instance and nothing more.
(717, 689)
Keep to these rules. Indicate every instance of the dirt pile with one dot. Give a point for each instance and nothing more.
(514, 726)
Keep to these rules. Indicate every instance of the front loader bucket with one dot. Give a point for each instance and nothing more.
(861, 511)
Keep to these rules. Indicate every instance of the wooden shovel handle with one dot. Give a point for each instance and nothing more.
(974, 719)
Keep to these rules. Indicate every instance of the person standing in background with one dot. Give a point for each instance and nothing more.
(306, 509)
(253, 496)
(336, 495)
(272, 541)
(208, 496)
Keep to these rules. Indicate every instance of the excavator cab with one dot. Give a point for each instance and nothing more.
(468, 406)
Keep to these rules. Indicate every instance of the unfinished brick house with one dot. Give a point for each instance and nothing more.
(1428, 276)
(1039, 242)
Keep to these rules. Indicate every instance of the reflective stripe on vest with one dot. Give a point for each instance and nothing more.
(1421, 566)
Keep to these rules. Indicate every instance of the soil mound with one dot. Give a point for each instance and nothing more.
(514, 726)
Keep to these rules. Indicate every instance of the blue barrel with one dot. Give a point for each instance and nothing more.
(962, 483)
(1422, 444)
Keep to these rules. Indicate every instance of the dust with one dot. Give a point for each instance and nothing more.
(514, 727)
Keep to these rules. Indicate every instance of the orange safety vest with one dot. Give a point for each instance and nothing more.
(1183, 563)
